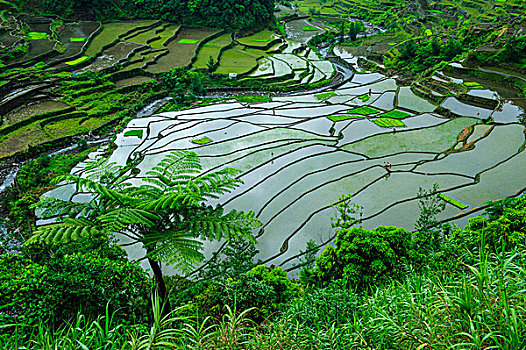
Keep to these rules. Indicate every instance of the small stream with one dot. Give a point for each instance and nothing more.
(9, 179)
(153, 107)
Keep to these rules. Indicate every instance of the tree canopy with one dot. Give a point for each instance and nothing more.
(231, 14)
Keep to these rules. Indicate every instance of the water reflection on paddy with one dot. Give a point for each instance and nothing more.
(296, 162)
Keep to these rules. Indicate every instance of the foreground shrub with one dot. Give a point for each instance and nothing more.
(363, 258)
(504, 226)
(55, 292)
(482, 307)
(266, 290)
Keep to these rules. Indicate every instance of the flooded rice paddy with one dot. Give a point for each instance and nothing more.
(296, 161)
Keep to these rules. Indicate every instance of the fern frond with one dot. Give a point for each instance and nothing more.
(176, 168)
(214, 184)
(215, 225)
(63, 233)
(145, 192)
(78, 222)
(171, 201)
(176, 248)
(89, 185)
(56, 207)
(120, 218)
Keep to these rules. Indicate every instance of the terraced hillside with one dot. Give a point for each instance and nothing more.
(371, 137)
(63, 79)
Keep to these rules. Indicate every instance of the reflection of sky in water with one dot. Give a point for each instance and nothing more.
(464, 109)
(407, 99)
(485, 93)
(508, 114)
(294, 172)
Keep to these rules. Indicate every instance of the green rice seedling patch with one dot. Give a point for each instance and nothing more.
(256, 53)
(166, 34)
(143, 38)
(473, 85)
(453, 201)
(137, 133)
(284, 13)
(180, 55)
(450, 24)
(388, 122)
(2, 82)
(77, 61)
(435, 11)
(395, 114)
(37, 35)
(252, 98)
(363, 110)
(69, 127)
(428, 32)
(202, 141)
(329, 11)
(19, 139)
(364, 97)
(77, 40)
(340, 117)
(211, 49)
(309, 29)
(188, 42)
(392, 44)
(324, 96)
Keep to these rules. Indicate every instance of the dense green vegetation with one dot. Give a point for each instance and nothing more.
(67, 283)
(372, 288)
(32, 180)
(220, 14)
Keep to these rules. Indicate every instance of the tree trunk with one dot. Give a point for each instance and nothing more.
(159, 281)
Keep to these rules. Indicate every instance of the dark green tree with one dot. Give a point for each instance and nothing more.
(408, 50)
(352, 31)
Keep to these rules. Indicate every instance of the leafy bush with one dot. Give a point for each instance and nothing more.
(32, 179)
(363, 258)
(268, 290)
(515, 49)
(480, 307)
(178, 81)
(505, 226)
(321, 307)
(55, 291)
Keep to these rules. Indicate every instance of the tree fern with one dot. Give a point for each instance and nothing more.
(52, 207)
(166, 212)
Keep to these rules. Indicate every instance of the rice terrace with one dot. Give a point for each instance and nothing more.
(264, 174)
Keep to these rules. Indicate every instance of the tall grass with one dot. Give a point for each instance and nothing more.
(482, 308)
